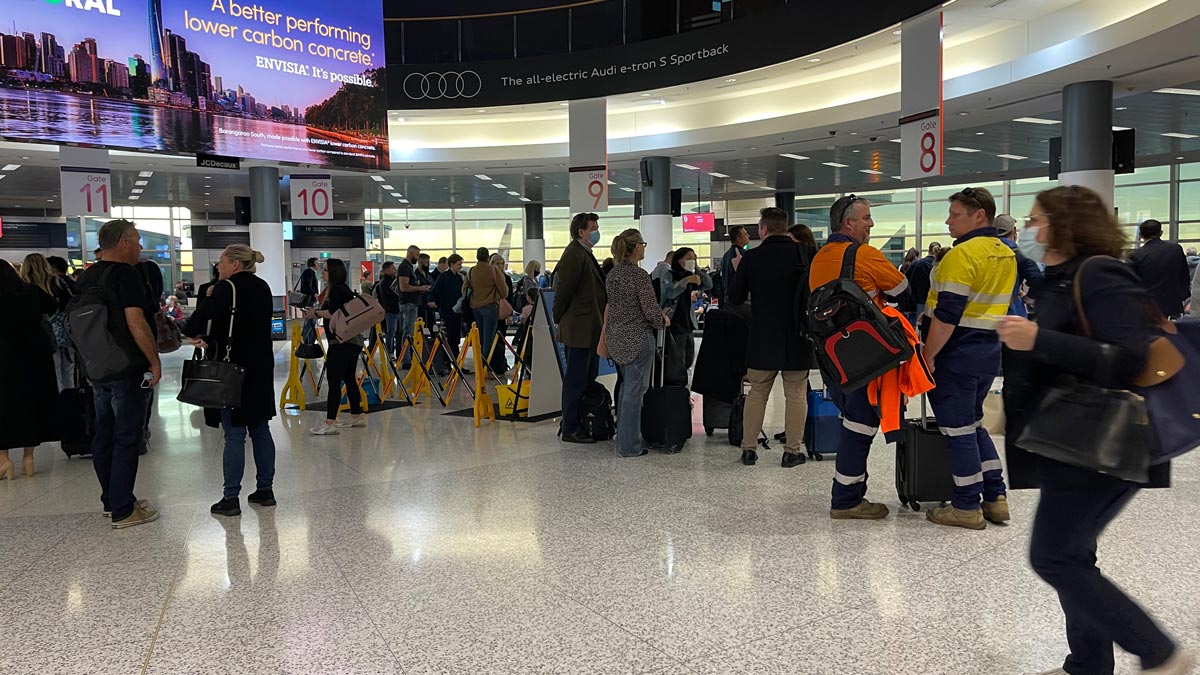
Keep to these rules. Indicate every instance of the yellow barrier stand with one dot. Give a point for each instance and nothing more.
(293, 392)
(415, 380)
(483, 400)
(387, 383)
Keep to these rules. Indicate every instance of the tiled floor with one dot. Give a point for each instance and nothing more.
(423, 545)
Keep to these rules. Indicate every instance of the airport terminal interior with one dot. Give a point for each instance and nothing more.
(453, 529)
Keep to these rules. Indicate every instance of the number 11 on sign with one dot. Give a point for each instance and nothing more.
(101, 192)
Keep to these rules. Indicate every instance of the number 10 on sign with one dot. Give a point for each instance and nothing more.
(312, 197)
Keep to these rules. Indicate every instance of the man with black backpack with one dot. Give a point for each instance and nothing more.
(773, 275)
(850, 226)
(111, 324)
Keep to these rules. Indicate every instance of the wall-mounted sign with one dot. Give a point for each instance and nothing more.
(206, 161)
(587, 127)
(921, 124)
(85, 182)
(312, 196)
(271, 79)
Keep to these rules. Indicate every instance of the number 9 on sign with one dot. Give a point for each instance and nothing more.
(595, 191)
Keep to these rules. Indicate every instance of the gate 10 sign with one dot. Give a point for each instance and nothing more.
(85, 192)
(312, 197)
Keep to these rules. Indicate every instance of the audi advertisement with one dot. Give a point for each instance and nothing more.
(705, 53)
(298, 81)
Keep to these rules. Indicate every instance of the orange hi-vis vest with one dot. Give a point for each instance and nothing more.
(911, 378)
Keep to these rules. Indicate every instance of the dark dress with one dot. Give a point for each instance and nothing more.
(252, 346)
(29, 392)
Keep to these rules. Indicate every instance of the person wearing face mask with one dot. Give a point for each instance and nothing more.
(850, 223)
(676, 291)
(411, 288)
(579, 301)
(970, 291)
(1028, 274)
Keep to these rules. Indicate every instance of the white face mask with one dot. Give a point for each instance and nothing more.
(1029, 246)
(689, 265)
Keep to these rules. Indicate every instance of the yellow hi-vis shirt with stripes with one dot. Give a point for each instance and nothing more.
(973, 283)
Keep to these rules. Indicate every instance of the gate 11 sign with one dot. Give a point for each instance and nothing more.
(312, 197)
(85, 191)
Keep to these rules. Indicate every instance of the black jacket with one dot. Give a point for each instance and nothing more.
(1118, 312)
(721, 361)
(385, 291)
(1163, 269)
(772, 274)
(252, 346)
(918, 279)
(446, 292)
(308, 284)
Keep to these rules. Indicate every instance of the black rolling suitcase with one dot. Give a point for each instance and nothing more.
(923, 471)
(77, 415)
(666, 411)
(716, 414)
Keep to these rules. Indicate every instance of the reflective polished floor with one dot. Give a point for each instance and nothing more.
(423, 545)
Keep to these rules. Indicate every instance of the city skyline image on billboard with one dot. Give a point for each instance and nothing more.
(295, 80)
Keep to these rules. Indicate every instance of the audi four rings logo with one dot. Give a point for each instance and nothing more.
(434, 86)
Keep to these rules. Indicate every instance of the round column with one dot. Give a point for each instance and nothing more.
(655, 223)
(1088, 137)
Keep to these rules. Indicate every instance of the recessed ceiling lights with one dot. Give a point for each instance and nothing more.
(1120, 128)
(716, 174)
(1, 176)
(1044, 161)
(835, 165)
(207, 193)
(145, 174)
(894, 140)
(480, 176)
(731, 80)
(1179, 158)
(378, 179)
(625, 189)
(963, 113)
(133, 198)
(814, 60)
(853, 133)
(1036, 120)
(1121, 108)
(500, 185)
(564, 104)
(978, 133)
(612, 182)
(138, 191)
(389, 188)
(10, 167)
(873, 172)
(397, 195)
(897, 177)
(514, 193)
(141, 182)
(896, 32)
(744, 182)
(403, 201)
(793, 156)
(646, 95)
(1176, 134)
(856, 151)
(810, 178)
(1007, 156)
(689, 167)
(481, 110)
(961, 149)
(25, 157)
(1177, 90)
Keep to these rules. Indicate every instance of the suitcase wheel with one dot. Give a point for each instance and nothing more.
(915, 506)
(708, 431)
(815, 456)
(673, 449)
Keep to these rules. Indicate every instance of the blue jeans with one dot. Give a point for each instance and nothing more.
(391, 323)
(488, 319)
(635, 380)
(120, 424)
(234, 460)
(404, 330)
(308, 331)
(582, 365)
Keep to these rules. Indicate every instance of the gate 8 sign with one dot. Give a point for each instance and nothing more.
(312, 196)
(921, 148)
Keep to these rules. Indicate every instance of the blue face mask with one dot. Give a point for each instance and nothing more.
(1029, 246)
(594, 237)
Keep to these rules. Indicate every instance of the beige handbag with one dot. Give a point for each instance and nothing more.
(993, 413)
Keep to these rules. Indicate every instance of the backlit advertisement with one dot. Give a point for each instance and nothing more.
(285, 80)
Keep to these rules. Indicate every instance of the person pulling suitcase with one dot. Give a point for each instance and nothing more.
(666, 409)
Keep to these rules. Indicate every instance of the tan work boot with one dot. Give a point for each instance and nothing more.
(1181, 663)
(865, 510)
(140, 516)
(997, 511)
(952, 517)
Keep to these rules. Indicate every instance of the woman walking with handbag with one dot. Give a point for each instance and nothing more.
(341, 365)
(235, 321)
(1101, 341)
(631, 321)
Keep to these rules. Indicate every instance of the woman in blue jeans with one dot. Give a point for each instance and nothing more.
(247, 342)
(631, 321)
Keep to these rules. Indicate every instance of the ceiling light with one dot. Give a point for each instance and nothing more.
(138, 191)
(514, 193)
(481, 110)
(731, 79)
(961, 149)
(612, 182)
(145, 174)
(207, 193)
(207, 186)
(389, 188)
(661, 101)
(715, 174)
(1177, 90)
(564, 104)
(378, 179)
(1176, 134)
(1179, 158)
(526, 199)
(744, 182)
(897, 177)
(480, 177)
(500, 185)
(10, 167)
(873, 172)
(625, 189)
(856, 151)
(896, 32)
(688, 167)
(978, 133)
(399, 119)
(793, 156)
(835, 165)
(133, 198)
(810, 178)
(141, 182)
(26, 157)
(1036, 120)
(1007, 156)
(963, 113)
(894, 140)
(645, 95)
(814, 60)
(1120, 128)
(1044, 161)
(397, 195)
(403, 201)
(853, 133)
(1121, 108)
(1, 176)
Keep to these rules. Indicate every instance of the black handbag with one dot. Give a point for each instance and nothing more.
(215, 383)
(311, 350)
(1091, 427)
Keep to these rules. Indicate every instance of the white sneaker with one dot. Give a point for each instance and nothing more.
(354, 423)
(324, 430)
(1182, 662)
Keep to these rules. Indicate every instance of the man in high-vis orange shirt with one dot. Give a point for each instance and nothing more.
(850, 223)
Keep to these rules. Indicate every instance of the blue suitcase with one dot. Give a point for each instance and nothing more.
(823, 428)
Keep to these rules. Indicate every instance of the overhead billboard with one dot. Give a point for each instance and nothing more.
(284, 80)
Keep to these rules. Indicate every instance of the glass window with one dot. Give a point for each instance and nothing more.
(1032, 185)
(1147, 174)
(1141, 202)
(1189, 171)
(1189, 201)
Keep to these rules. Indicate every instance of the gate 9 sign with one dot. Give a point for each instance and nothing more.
(311, 197)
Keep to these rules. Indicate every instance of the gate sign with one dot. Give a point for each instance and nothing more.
(921, 123)
(589, 189)
(312, 196)
(85, 183)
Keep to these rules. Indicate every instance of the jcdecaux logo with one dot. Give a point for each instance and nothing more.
(101, 6)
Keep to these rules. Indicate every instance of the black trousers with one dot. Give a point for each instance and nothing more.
(341, 368)
(581, 370)
(1062, 551)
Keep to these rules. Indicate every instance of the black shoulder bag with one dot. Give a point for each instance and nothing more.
(215, 383)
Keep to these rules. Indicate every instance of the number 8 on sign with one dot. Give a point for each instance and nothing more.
(928, 143)
(595, 191)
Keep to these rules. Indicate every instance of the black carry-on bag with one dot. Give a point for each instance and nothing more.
(716, 414)
(77, 416)
(666, 411)
(923, 472)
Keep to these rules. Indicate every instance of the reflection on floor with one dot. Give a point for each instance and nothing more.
(423, 545)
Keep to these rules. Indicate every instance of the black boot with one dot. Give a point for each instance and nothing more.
(228, 506)
(790, 459)
(749, 457)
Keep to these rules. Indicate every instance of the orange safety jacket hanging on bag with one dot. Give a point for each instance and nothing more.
(911, 378)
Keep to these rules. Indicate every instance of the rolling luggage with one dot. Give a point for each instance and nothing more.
(666, 411)
(923, 472)
(823, 428)
(77, 415)
(716, 414)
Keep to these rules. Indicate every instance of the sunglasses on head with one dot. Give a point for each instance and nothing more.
(851, 200)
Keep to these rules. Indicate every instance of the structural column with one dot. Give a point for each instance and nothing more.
(535, 239)
(266, 228)
(787, 202)
(656, 209)
(1088, 137)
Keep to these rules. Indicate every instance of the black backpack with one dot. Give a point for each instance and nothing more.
(97, 327)
(855, 341)
(595, 413)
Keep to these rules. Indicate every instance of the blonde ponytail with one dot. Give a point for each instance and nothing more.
(242, 254)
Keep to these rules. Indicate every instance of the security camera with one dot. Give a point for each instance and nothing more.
(833, 132)
(874, 138)
(406, 226)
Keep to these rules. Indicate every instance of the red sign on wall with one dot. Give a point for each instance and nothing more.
(699, 222)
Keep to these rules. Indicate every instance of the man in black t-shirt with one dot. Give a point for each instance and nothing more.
(385, 292)
(122, 403)
(411, 288)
